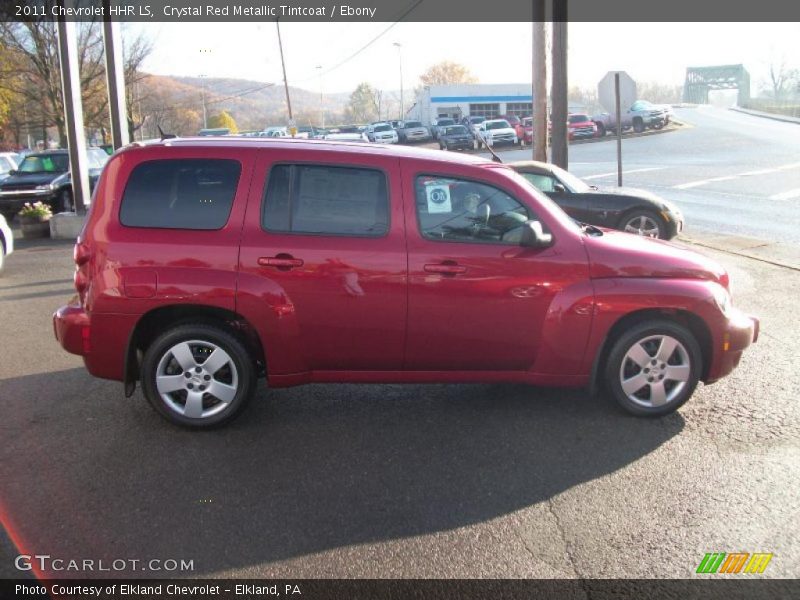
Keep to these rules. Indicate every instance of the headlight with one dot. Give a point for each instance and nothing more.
(47, 186)
(722, 298)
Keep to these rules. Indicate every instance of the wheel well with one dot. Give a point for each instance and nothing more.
(639, 209)
(155, 322)
(691, 321)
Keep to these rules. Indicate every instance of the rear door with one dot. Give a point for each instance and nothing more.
(323, 248)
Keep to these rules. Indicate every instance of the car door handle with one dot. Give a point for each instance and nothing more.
(282, 261)
(445, 269)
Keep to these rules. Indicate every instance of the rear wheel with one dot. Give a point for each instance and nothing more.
(645, 223)
(638, 125)
(653, 368)
(601, 130)
(198, 376)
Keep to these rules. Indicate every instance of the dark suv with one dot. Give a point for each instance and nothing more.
(45, 177)
(207, 263)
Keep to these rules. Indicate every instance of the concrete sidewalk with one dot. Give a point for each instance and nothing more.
(766, 115)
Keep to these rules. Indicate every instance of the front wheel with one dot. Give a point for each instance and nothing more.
(653, 368)
(198, 376)
(64, 203)
(644, 223)
(638, 125)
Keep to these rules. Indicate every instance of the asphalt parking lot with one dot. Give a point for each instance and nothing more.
(398, 481)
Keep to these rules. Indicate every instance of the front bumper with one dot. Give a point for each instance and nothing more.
(739, 332)
(459, 144)
(388, 140)
(11, 203)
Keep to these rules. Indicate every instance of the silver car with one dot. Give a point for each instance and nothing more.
(6, 241)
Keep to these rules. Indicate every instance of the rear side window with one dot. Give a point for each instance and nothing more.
(326, 200)
(180, 194)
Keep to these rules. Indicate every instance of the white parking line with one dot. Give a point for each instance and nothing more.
(692, 184)
(786, 195)
(601, 175)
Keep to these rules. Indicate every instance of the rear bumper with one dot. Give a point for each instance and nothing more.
(72, 329)
(738, 333)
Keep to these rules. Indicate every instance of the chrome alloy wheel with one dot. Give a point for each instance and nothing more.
(197, 379)
(642, 225)
(655, 370)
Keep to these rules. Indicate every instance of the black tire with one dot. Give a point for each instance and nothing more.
(242, 376)
(443, 147)
(601, 129)
(686, 359)
(2, 256)
(638, 125)
(647, 217)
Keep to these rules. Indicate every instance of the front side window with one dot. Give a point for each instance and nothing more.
(459, 210)
(180, 194)
(326, 200)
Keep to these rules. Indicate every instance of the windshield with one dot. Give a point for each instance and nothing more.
(476, 120)
(573, 184)
(497, 125)
(527, 122)
(413, 124)
(383, 128)
(445, 122)
(578, 118)
(45, 163)
(538, 198)
(456, 130)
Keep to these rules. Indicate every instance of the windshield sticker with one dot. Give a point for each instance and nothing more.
(438, 198)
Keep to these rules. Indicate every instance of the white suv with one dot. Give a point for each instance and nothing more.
(496, 131)
(382, 133)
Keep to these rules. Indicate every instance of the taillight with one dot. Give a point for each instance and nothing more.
(81, 255)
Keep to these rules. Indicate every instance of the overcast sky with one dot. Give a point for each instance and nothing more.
(494, 52)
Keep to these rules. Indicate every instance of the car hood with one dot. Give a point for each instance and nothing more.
(616, 254)
(29, 179)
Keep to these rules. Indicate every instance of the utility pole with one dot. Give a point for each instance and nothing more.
(321, 103)
(539, 87)
(115, 80)
(560, 152)
(285, 81)
(400, 58)
(203, 90)
(73, 113)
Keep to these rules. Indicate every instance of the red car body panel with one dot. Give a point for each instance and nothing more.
(372, 309)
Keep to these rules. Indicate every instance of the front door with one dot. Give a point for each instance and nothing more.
(477, 299)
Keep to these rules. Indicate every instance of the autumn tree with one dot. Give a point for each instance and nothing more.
(223, 120)
(364, 105)
(447, 72)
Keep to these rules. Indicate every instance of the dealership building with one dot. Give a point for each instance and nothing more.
(487, 100)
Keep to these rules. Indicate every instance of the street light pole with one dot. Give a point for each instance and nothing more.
(203, 90)
(400, 58)
(285, 81)
(321, 103)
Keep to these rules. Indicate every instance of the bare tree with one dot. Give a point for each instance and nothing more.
(782, 78)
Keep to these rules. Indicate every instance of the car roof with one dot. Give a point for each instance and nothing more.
(531, 166)
(362, 148)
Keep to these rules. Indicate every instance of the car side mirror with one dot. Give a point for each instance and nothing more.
(559, 187)
(533, 236)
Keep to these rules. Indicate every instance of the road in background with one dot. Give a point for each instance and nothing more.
(730, 173)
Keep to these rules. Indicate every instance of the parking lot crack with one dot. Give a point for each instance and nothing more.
(567, 546)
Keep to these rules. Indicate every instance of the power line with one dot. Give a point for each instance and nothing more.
(365, 46)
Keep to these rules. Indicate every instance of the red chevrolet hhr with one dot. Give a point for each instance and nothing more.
(207, 263)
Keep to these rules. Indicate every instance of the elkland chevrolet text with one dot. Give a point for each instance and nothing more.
(205, 264)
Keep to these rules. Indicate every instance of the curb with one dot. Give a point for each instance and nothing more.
(765, 115)
(776, 263)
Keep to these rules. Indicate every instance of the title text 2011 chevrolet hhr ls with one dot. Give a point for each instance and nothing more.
(205, 264)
